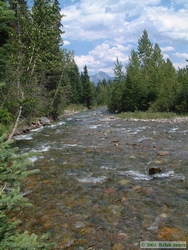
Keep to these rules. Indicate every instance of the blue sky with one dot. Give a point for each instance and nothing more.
(99, 31)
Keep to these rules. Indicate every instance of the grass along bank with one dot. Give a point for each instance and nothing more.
(158, 116)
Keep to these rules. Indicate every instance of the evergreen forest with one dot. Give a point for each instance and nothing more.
(148, 82)
(38, 78)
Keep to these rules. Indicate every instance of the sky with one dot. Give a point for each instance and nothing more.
(100, 31)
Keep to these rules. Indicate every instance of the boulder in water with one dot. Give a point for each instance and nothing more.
(154, 171)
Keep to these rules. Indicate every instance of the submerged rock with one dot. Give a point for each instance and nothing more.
(168, 233)
(154, 171)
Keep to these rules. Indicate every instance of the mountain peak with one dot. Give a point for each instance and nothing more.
(99, 77)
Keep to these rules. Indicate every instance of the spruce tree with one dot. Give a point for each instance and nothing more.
(87, 88)
(117, 88)
(6, 17)
(182, 97)
(145, 49)
(48, 57)
(103, 92)
(168, 89)
(133, 95)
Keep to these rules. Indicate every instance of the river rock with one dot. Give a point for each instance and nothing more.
(163, 153)
(109, 191)
(169, 233)
(118, 246)
(45, 121)
(154, 171)
(124, 182)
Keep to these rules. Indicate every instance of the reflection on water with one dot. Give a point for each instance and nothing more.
(93, 190)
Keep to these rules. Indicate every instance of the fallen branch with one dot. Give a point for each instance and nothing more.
(3, 188)
(16, 124)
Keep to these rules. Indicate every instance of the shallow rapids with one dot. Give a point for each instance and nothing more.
(94, 191)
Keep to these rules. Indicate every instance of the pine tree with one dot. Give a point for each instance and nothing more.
(103, 92)
(134, 92)
(182, 97)
(87, 88)
(6, 17)
(117, 88)
(145, 49)
(47, 55)
(168, 89)
(155, 73)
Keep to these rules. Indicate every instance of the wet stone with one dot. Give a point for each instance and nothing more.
(169, 233)
(163, 153)
(154, 171)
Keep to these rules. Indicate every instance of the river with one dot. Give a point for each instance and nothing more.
(94, 191)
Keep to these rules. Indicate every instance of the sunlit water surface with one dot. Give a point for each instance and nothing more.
(93, 190)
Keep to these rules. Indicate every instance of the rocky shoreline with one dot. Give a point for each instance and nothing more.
(41, 122)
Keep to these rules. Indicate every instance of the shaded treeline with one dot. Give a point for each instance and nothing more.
(38, 77)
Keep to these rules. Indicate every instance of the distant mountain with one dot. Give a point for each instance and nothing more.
(99, 77)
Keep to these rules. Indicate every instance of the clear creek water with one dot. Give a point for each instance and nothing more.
(93, 190)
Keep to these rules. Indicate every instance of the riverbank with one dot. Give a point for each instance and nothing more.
(154, 117)
(45, 121)
(176, 120)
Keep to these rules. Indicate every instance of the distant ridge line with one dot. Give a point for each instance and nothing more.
(99, 77)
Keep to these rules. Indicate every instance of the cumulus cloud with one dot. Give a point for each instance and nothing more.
(181, 55)
(117, 25)
(167, 48)
(103, 57)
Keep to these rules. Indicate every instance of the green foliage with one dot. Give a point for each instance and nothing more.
(88, 89)
(5, 117)
(34, 67)
(13, 168)
(3, 129)
(147, 115)
(6, 16)
(149, 83)
(103, 92)
(117, 88)
(182, 97)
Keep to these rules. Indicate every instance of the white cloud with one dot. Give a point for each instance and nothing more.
(117, 25)
(167, 48)
(103, 57)
(93, 20)
(181, 55)
(65, 42)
